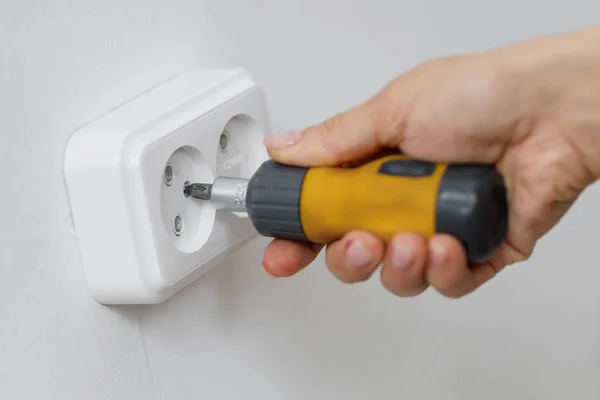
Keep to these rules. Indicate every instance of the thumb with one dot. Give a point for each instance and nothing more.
(346, 137)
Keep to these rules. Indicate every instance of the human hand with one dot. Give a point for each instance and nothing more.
(532, 109)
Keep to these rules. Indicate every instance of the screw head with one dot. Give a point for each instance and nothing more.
(168, 175)
(223, 139)
(178, 225)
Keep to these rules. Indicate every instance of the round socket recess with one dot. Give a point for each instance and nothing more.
(188, 221)
(240, 151)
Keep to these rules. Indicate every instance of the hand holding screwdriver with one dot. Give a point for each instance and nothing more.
(518, 108)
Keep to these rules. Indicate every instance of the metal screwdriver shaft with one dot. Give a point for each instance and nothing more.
(224, 193)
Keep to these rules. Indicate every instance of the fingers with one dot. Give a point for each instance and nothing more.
(410, 264)
(355, 257)
(284, 258)
(346, 137)
(352, 259)
(448, 271)
(403, 271)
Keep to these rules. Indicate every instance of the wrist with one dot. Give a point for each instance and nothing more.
(559, 83)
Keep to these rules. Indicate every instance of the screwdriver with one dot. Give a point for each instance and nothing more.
(386, 196)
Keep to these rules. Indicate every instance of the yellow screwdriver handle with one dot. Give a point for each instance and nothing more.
(386, 196)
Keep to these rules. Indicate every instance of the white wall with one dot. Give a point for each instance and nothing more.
(534, 333)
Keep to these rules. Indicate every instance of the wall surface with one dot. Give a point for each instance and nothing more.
(533, 333)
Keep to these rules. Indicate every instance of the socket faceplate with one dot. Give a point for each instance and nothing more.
(141, 240)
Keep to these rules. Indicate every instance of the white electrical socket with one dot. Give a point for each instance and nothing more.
(141, 239)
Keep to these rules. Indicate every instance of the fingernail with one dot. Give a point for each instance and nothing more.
(402, 257)
(437, 255)
(282, 140)
(358, 255)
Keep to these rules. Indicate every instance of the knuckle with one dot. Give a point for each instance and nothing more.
(541, 204)
(391, 110)
(512, 256)
(333, 124)
(326, 136)
(435, 64)
(540, 200)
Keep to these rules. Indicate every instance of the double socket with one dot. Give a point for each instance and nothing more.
(141, 238)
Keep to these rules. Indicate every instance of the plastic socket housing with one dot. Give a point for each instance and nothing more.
(141, 239)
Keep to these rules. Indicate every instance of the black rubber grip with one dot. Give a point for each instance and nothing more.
(273, 201)
(472, 206)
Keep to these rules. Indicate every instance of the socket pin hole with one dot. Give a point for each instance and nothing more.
(178, 225)
(223, 139)
(168, 175)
